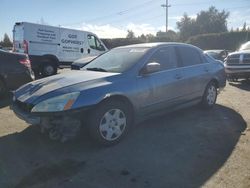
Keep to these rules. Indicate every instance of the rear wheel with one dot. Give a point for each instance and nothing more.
(109, 122)
(48, 69)
(210, 95)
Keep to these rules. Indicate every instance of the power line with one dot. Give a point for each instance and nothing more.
(140, 9)
(134, 15)
(119, 13)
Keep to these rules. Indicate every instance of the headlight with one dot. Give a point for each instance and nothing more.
(55, 104)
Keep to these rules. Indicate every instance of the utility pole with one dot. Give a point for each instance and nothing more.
(166, 6)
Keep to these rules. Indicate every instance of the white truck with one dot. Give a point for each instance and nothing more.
(50, 47)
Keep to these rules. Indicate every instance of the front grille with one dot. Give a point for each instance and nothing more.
(238, 59)
(246, 60)
(233, 59)
(24, 106)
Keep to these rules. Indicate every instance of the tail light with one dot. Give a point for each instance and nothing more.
(25, 62)
(25, 46)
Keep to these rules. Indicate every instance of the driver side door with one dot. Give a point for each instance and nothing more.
(163, 88)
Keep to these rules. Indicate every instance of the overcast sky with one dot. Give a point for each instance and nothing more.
(112, 18)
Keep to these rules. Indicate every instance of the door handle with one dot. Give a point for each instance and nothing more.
(178, 76)
(206, 69)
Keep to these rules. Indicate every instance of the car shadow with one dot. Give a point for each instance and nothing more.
(241, 84)
(5, 100)
(181, 149)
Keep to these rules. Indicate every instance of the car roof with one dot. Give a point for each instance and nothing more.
(157, 44)
(215, 50)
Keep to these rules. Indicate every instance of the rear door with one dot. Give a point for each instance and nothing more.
(163, 88)
(195, 72)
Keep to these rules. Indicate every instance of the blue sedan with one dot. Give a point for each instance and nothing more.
(121, 87)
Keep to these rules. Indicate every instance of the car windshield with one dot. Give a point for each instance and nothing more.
(117, 60)
(245, 46)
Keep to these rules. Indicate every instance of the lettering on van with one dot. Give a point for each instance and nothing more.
(46, 35)
(70, 49)
(72, 39)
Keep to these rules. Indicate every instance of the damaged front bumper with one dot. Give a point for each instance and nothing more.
(61, 126)
(28, 117)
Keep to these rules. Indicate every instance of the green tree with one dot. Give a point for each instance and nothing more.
(6, 41)
(130, 34)
(209, 21)
(244, 28)
(187, 27)
(212, 21)
(170, 35)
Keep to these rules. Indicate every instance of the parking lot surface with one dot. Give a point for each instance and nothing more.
(187, 148)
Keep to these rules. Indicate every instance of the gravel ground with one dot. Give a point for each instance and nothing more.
(187, 148)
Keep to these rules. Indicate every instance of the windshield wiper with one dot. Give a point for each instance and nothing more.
(97, 69)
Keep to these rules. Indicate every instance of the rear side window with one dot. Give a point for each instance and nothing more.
(166, 57)
(189, 56)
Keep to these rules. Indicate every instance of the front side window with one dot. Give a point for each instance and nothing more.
(189, 56)
(166, 57)
(94, 43)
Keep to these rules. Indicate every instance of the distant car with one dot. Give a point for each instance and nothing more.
(15, 70)
(237, 64)
(217, 54)
(122, 86)
(80, 63)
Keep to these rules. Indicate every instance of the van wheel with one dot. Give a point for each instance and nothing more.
(210, 95)
(109, 122)
(3, 88)
(49, 70)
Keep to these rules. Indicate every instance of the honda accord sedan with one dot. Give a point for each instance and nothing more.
(121, 87)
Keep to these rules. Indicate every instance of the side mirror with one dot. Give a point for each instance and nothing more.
(151, 68)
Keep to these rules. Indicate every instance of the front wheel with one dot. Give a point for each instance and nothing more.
(210, 95)
(109, 122)
(49, 70)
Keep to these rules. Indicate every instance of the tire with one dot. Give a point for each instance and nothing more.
(109, 122)
(3, 89)
(210, 95)
(48, 70)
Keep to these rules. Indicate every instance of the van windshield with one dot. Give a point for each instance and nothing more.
(117, 60)
(245, 46)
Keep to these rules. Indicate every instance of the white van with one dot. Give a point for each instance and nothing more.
(49, 47)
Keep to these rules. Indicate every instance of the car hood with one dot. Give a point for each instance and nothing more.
(240, 52)
(81, 79)
(85, 59)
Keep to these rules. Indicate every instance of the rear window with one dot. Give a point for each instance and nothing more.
(189, 56)
(18, 33)
(166, 57)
